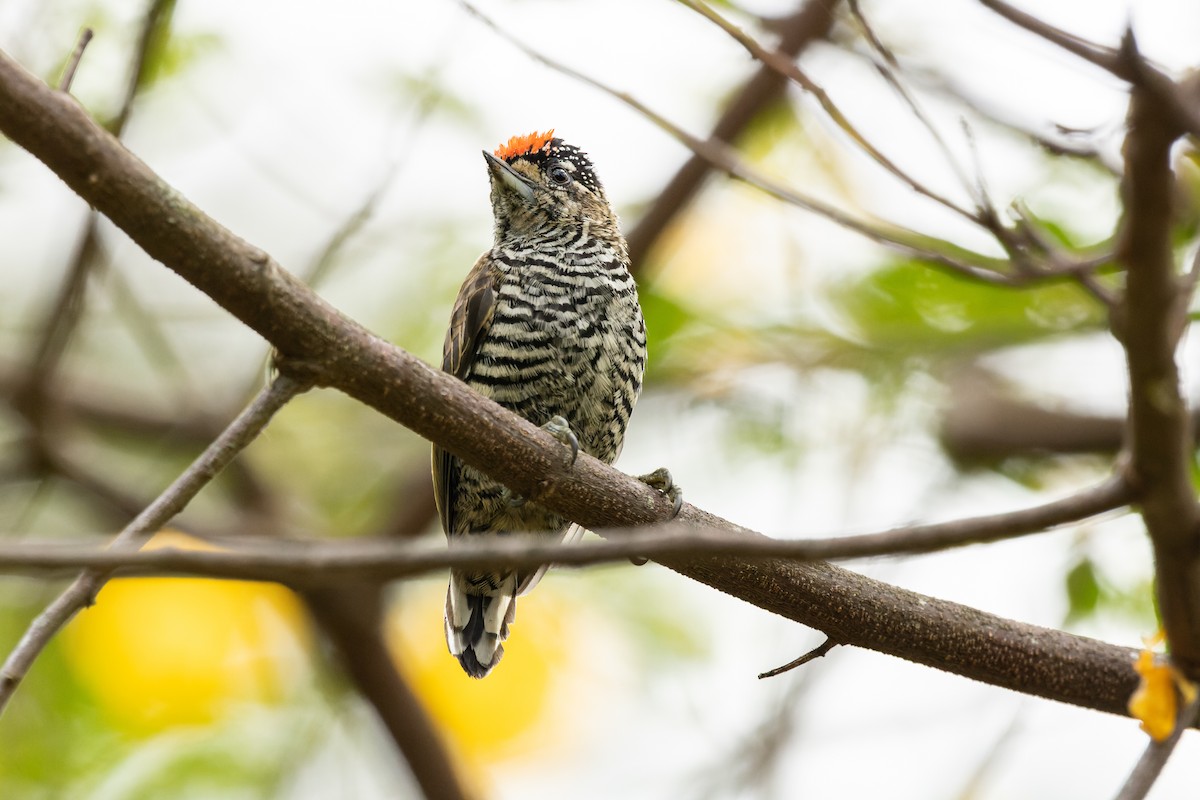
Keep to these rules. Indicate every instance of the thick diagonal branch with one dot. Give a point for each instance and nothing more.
(850, 608)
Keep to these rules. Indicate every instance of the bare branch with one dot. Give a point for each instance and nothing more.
(1151, 764)
(311, 563)
(986, 421)
(889, 68)
(174, 498)
(1148, 323)
(154, 24)
(100, 405)
(1029, 248)
(1103, 57)
(1070, 142)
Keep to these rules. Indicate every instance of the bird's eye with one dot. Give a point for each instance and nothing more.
(560, 176)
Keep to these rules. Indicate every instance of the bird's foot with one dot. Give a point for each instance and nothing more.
(560, 429)
(661, 480)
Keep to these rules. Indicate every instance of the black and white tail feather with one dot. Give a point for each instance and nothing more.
(478, 613)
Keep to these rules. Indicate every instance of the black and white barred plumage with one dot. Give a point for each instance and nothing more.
(548, 325)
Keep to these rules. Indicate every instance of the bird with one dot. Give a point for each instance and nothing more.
(548, 324)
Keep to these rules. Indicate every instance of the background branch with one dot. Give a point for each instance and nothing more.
(1149, 323)
(1151, 764)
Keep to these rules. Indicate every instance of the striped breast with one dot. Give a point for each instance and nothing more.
(567, 337)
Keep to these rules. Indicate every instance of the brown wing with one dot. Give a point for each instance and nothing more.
(469, 322)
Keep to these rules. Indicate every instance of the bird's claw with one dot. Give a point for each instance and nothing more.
(560, 429)
(662, 481)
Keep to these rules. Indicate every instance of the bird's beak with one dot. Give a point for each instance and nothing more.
(514, 181)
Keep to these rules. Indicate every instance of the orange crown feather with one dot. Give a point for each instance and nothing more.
(523, 145)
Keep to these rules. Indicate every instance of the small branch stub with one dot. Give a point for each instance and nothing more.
(812, 655)
(68, 75)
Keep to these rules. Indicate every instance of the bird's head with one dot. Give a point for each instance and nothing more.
(540, 182)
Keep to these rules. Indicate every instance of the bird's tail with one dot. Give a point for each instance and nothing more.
(479, 609)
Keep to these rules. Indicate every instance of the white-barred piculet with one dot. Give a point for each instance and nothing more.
(547, 324)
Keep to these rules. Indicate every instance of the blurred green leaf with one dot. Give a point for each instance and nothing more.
(168, 53)
(1083, 590)
(909, 306)
(665, 316)
(52, 731)
(778, 123)
(172, 54)
(1090, 593)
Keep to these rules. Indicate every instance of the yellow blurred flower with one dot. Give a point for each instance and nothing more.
(158, 652)
(1155, 703)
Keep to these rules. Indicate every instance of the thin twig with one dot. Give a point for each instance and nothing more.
(327, 257)
(173, 499)
(817, 652)
(68, 76)
(1058, 260)
(1100, 55)
(316, 563)
(1154, 758)
(989, 217)
(1083, 268)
